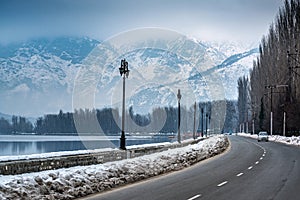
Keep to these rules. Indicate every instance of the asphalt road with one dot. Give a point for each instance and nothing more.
(248, 170)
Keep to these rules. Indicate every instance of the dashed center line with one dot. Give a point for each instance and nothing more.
(240, 174)
(223, 183)
(195, 197)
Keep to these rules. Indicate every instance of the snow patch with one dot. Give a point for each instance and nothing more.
(294, 140)
(80, 181)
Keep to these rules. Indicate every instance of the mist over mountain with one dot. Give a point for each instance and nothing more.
(37, 77)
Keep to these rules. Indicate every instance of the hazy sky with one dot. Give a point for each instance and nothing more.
(237, 20)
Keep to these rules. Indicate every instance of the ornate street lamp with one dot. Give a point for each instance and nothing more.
(178, 98)
(202, 125)
(124, 71)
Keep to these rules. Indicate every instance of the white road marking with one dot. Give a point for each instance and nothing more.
(250, 167)
(256, 162)
(223, 183)
(195, 197)
(264, 155)
(261, 158)
(240, 174)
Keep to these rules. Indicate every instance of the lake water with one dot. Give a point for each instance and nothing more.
(13, 145)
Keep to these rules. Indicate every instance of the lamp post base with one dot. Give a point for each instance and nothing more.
(123, 141)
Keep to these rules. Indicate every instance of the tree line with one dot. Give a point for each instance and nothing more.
(18, 125)
(108, 120)
(274, 82)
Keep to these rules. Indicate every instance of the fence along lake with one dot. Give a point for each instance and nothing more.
(14, 145)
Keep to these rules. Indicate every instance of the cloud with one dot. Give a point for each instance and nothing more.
(225, 19)
(22, 88)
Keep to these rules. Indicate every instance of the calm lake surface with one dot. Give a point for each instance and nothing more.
(14, 145)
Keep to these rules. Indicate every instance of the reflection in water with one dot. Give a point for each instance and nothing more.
(9, 148)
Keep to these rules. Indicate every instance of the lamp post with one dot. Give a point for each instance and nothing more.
(178, 98)
(206, 125)
(194, 130)
(284, 122)
(202, 122)
(124, 71)
(209, 125)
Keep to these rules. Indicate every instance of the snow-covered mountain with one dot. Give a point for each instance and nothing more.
(37, 77)
(5, 116)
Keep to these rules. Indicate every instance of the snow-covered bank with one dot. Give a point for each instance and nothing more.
(277, 138)
(80, 181)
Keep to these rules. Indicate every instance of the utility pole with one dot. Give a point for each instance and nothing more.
(253, 127)
(271, 117)
(271, 87)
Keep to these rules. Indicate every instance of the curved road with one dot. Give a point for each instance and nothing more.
(248, 170)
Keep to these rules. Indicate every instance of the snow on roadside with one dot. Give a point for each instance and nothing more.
(277, 138)
(74, 182)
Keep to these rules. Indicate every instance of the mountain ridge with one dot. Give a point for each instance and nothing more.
(40, 73)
